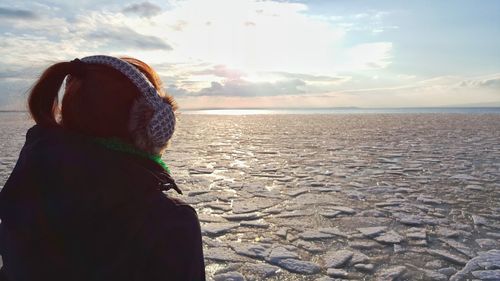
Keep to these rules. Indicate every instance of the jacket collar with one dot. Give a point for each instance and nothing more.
(157, 172)
(158, 168)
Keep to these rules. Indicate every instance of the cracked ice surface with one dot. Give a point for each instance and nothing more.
(318, 197)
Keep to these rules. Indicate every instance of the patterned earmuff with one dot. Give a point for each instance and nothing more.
(160, 127)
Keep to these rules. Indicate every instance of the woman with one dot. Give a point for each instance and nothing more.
(85, 200)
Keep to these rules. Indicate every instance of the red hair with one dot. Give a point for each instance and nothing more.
(96, 102)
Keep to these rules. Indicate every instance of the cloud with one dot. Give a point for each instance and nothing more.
(220, 71)
(17, 14)
(491, 83)
(222, 81)
(144, 9)
(372, 22)
(14, 73)
(310, 77)
(19, 55)
(488, 82)
(367, 56)
(123, 38)
(253, 36)
(229, 74)
(179, 25)
(437, 91)
(176, 91)
(259, 51)
(257, 36)
(242, 88)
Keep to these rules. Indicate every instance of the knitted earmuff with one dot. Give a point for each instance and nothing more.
(152, 134)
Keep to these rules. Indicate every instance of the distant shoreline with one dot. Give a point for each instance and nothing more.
(345, 110)
(330, 110)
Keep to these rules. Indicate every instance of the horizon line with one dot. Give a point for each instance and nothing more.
(338, 107)
(314, 108)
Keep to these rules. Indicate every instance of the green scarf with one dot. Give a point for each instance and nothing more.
(119, 145)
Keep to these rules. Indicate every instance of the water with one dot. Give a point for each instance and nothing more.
(348, 110)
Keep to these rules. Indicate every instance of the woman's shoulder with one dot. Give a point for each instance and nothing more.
(175, 209)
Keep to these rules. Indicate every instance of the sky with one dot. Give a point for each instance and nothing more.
(269, 54)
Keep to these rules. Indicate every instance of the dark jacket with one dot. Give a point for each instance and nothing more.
(75, 210)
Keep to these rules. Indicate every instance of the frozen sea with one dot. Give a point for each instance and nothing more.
(409, 195)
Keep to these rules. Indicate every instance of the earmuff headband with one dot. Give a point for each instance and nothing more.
(162, 124)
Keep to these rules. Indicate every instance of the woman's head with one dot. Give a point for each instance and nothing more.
(99, 100)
